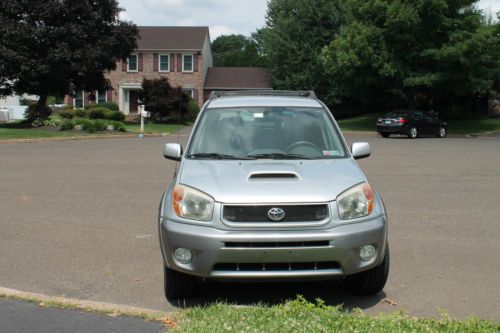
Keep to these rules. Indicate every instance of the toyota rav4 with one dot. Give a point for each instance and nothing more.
(267, 189)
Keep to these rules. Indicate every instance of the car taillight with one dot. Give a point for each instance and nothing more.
(379, 120)
(402, 120)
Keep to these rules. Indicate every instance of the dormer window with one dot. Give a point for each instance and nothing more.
(132, 63)
(187, 63)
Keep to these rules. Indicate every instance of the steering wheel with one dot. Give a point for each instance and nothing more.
(305, 144)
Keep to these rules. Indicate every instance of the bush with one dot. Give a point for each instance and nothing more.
(100, 125)
(119, 126)
(66, 114)
(108, 105)
(54, 120)
(88, 125)
(114, 115)
(192, 111)
(32, 115)
(81, 113)
(98, 113)
(67, 125)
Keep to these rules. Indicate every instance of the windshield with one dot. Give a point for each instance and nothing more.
(266, 132)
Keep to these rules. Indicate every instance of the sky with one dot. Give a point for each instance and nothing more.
(224, 17)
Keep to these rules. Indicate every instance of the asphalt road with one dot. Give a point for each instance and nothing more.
(78, 219)
(17, 316)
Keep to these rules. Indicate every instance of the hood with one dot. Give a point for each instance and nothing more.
(271, 181)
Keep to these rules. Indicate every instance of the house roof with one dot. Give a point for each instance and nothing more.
(238, 78)
(171, 38)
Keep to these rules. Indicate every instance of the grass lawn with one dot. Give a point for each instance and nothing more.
(301, 316)
(152, 128)
(457, 126)
(18, 131)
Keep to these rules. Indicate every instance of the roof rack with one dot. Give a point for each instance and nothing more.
(263, 92)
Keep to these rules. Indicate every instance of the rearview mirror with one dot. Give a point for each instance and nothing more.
(360, 150)
(172, 151)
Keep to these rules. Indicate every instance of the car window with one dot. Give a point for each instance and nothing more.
(255, 132)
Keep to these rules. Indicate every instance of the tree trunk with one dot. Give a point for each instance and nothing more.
(43, 111)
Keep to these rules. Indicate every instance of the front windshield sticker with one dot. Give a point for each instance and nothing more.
(258, 115)
(331, 153)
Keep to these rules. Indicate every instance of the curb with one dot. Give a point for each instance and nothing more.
(87, 137)
(87, 306)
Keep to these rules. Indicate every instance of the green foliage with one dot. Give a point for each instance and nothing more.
(54, 120)
(99, 113)
(296, 32)
(108, 105)
(67, 125)
(162, 100)
(433, 54)
(302, 316)
(66, 113)
(118, 126)
(81, 113)
(33, 115)
(192, 111)
(55, 46)
(114, 115)
(236, 51)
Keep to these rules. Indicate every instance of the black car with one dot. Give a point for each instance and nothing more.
(412, 123)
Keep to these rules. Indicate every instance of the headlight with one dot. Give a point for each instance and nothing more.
(192, 204)
(355, 202)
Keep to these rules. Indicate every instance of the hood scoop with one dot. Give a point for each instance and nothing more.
(273, 176)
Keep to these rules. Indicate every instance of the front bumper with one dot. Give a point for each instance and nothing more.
(213, 258)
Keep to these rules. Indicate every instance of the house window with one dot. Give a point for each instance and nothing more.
(101, 97)
(164, 63)
(132, 63)
(78, 100)
(188, 91)
(187, 62)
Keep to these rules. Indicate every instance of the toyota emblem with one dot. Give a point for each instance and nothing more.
(276, 214)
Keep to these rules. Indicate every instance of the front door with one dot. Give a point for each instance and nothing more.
(133, 97)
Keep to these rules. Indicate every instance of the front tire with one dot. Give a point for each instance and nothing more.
(413, 133)
(371, 281)
(178, 285)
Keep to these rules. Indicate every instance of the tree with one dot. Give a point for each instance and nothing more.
(236, 51)
(163, 100)
(52, 47)
(432, 52)
(296, 31)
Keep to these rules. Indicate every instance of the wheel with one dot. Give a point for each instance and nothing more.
(371, 281)
(441, 132)
(413, 133)
(385, 135)
(178, 285)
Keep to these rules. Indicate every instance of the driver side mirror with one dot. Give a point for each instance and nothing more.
(172, 151)
(360, 150)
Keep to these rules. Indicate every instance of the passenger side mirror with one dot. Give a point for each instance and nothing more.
(172, 151)
(360, 150)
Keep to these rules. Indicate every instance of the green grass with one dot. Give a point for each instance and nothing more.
(18, 130)
(302, 316)
(152, 128)
(455, 126)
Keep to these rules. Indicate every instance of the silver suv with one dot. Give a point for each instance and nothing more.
(267, 189)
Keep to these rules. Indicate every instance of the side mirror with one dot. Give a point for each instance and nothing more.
(172, 151)
(360, 150)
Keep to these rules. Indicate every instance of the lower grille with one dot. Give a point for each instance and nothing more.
(257, 245)
(276, 266)
(293, 213)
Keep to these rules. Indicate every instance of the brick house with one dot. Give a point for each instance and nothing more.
(182, 54)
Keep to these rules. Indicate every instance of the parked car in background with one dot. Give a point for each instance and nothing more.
(412, 123)
(267, 189)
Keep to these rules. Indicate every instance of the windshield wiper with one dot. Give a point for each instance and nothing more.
(280, 156)
(217, 156)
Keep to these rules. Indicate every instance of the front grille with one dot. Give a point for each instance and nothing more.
(257, 245)
(295, 213)
(276, 266)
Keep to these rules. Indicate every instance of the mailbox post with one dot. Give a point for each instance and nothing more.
(144, 114)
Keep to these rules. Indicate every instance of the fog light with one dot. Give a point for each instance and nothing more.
(183, 255)
(367, 252)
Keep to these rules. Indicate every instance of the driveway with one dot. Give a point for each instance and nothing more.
(79, 219)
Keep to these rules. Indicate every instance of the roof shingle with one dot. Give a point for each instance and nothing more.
(171, 38)
(238, 78)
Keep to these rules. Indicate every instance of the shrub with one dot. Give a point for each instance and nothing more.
(81, 113)
(192, 111)
(100, 125)
(108, 105)
(98, 113)
(114, 115)
(67, 125)
(32, 115)
(54, 120)
(66, 113)
(88, 125)
(119, 126)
